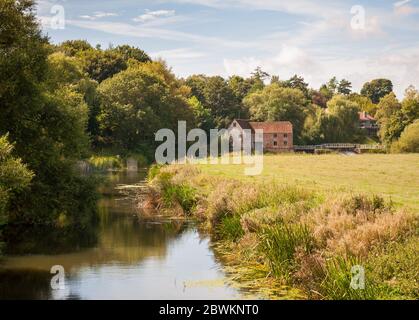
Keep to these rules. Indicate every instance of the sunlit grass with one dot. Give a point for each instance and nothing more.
(393, 176)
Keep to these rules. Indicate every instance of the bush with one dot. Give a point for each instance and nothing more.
(172, 194)
(409, 139)
(280, 244)
(106, 162)
(230, 228)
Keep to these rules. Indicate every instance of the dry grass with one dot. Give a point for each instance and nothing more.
(298, 236)
(395, 177)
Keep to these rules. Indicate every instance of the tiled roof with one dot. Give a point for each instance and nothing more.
(363, 116)
(272, 127)
(267, 127)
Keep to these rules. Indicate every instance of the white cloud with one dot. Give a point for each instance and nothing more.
(98, 15)
(153, 15)
(401, 67)
(118, 28)
(326, 8)
(289, 61)
(178, 54)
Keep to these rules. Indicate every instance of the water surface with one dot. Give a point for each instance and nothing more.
(126, 256)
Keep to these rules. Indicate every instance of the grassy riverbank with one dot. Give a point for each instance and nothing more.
(286, 228)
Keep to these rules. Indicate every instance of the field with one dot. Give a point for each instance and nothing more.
(393, 176)
(306, 221)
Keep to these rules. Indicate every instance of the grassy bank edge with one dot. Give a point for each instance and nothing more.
(268, 241)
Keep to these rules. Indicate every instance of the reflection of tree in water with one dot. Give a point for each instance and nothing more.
(38, 240)
(120, 237)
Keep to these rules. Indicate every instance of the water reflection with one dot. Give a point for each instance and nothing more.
(124, 257)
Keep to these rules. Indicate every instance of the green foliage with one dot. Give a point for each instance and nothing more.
(128, 52)
(377, 89)
(183, 194)
(275, 103)
(153, 172)
(203, 118)
(344, 87)
(409, 139)
(338, 277)
(280, 244)
(137, 101)
(101, 65)
(216, 95)
(389, 116)
(230, 228)
(73, 47)
(46, 118)
(106, 162)
(364, 103)
(14, 176)
(296, 82)
(395, 266)
(339, 124)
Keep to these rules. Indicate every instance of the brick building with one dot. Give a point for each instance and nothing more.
(277, 135)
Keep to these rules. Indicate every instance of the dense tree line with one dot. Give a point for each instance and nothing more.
(60, 103)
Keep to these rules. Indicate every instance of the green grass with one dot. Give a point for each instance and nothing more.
(280, 243)
(308, 220)
(393, 176)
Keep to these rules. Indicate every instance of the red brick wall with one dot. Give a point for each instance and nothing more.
(284, 142)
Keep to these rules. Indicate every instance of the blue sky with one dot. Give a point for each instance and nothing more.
(315, 39)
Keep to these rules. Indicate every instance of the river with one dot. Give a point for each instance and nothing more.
(126, 256)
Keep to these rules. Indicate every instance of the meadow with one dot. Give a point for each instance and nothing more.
(306, 222)
(393, 176)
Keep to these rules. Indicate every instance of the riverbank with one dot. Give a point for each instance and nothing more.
(278, 234)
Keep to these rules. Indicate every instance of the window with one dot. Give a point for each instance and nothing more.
(285, 135)
(275, 143)
(285, 143)
(275, 135)
(234, 124)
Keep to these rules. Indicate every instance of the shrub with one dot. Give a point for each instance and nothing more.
(230, 228)
(106, 162)
(173, 194)
(409, 139)
(280, 244)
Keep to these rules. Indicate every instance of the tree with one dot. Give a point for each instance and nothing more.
(332, 85)
(377, 89)
(217, 95)
(14, 176)
(318, 98)
(101, 65)
(202, 116)
(135, 103)
(409, 139)
(364, 103)
(410, 105)
(339, 124)
(258, 73)
(344, 87)
(128, 52)
(45, 120)
(240, 87)
(222, 102)
(297, 82)
(390, 118)
(275, 103)
(73, 47)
